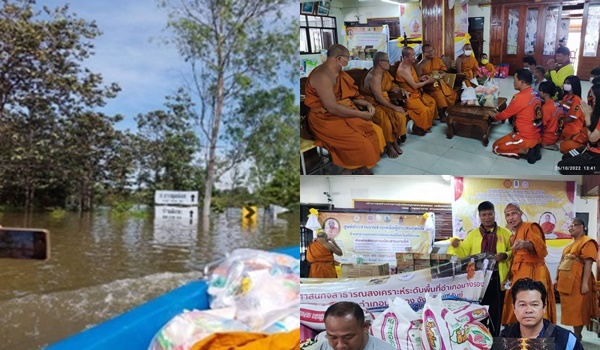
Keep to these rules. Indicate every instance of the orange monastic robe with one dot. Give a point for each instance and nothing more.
(352, 142)
(391, 122)
(321, 261)
(469, 66)
(421, 107)
(491, 69)
(548, 227)
(577, 309)
(443, 94)
(250, 341)
(528, 264)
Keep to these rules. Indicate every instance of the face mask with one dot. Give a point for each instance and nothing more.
(567, 87)
(527, 68)
(484, 61)
(534, 80)
(468, 52)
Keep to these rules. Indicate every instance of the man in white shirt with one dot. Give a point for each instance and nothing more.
(538, 77)
(346, 329)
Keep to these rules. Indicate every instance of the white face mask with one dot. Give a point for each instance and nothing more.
(567, 87)
(468, 52)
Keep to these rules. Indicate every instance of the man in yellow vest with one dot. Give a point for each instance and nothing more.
(489, 238)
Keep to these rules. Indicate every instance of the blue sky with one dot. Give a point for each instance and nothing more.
(131, 53)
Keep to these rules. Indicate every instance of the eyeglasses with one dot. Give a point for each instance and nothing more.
(347, 58)
(384, 61)
(573, 225)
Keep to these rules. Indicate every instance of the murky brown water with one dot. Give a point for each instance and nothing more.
(101, 266)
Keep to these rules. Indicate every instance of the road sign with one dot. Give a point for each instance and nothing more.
(176, 213)
(176, 197)
(249, 212)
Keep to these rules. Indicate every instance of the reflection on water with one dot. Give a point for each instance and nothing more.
(101, 266)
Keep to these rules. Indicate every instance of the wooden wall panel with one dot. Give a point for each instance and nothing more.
(432, 17)
(448, 31)
(586, 64)
(496, 36)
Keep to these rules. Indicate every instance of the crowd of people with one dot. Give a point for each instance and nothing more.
(520, 294)
(356, 123)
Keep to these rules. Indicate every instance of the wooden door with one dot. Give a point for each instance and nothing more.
(587, 58)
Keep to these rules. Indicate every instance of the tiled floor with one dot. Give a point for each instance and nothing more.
(436, 154)
(590, 340)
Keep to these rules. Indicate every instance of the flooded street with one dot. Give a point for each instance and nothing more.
(102, 265)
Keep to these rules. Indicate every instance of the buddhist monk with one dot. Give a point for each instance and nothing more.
(443, 94)
(376, 85)
(575, 282)
(526, 106)
(487, 65)
(348, 134)
(467, 64)
(421, 107)
(529, 251)
(547, 225)
(320, 256)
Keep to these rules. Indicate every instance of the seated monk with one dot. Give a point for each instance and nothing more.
(526, 106)
(443, 94)
(487, 65)
(421, 107)
(391, 118)
(467, 64)
(320, 256)
(348, 134)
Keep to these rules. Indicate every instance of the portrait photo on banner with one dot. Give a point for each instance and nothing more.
(307, 8)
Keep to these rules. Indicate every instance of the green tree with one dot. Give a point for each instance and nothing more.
(165, 148)
(95, 155)
(41, 55)
(269, 134)
(234, 47)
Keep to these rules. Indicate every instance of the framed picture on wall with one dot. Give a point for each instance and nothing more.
(324, 7)
(307, 8)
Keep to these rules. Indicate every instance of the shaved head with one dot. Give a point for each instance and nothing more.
(407, 51)
(337, 50)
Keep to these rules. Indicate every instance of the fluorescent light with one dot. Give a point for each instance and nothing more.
(391, 2)
(445, 177)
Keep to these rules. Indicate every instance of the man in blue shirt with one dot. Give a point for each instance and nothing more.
(529, 301)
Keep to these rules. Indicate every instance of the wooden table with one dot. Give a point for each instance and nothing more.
(473, 115)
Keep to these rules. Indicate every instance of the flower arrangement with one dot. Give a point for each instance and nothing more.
(482, 74)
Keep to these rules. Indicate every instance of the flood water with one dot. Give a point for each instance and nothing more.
(101, 265)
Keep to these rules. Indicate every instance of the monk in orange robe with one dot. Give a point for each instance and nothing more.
(487, 65)
(421, 107)
(443, 94)
(547, 225)
(575, 282)
(467, 64)
(391, 118)
(348, 134)
(529, 250)
(320, 256)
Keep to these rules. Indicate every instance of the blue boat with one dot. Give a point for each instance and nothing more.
(135, 329)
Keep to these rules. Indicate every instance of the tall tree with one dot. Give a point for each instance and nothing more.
(40, 60)
(94, 154)
(234, 47)
(165, 148)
